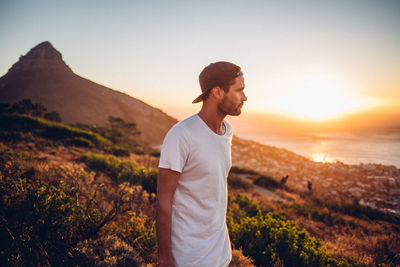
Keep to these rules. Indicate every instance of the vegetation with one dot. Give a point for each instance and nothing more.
(270, 239)
(25, 117)
(123, 135)
(53, 215)
(318, 214)
(37, 126)
(235, 181)
(25, 106)
(266, 181)
(71, 196)
(122, 170)
(41, 221)
(119, 253)
(238, 170)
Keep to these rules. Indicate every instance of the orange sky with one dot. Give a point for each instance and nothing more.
(314, 60)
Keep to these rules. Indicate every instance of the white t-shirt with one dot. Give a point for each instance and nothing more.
(199, 235)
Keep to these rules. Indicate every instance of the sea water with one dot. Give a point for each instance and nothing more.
(347, 148)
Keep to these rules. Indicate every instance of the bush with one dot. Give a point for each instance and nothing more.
(25, 106)
(46, 211)
(118, 150)
(41, 223)
(52, 116)
(109, 251)
(155, 153)
(140, 233)
(271, 239)
(266, 181)
(122, 170)
(239, 260)
(266, 239)
(235, 181)
(350, 207)
(318, 214)
(48, 129)
(239, 170)
(246, 207)
(11, 136)
(365, 212)
(79, 141)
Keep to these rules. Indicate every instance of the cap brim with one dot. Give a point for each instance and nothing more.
(198, 99)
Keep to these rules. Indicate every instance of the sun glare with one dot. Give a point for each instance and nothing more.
(318, 157)
(318, 100)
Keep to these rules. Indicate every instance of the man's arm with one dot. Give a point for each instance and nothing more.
(166, 186)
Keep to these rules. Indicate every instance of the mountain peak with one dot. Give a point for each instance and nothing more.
(42, 57)
(44, 46)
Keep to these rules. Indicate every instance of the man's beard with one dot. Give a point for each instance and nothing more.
(228, 108)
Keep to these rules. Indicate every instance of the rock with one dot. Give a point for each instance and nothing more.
(42, 57)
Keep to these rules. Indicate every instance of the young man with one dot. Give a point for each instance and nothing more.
(192, 182)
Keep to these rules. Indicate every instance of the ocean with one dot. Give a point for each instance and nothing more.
(347, 148)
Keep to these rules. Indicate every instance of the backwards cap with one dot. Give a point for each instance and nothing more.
(217, 74)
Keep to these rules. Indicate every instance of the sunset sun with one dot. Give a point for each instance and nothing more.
(318, 100)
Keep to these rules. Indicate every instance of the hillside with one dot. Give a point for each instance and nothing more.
(373, 185)
(84, 195)
(42, 75)
(69, 204)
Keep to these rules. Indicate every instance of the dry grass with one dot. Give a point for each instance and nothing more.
(368, 241)
(239, 260)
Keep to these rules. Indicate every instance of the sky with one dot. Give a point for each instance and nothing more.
(308, 59)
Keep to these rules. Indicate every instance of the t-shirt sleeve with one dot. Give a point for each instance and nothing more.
(175, 149)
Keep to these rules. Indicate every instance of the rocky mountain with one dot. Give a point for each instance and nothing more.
(44, 77)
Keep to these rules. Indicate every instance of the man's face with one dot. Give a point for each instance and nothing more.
(233, 100)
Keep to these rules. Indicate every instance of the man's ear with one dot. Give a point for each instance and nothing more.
(218, 92)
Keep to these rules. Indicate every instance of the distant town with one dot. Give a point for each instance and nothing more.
(373, 185)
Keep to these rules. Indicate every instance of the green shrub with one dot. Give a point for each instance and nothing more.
(155, 153)
(245, 204)
(350, 207)
(118, 150)
(266, 181)
(365, 212)
(41, 223)
(138, 149)
(46, 212)
(48, 129)
(79, 141)
(122, 170)
(273, 240)
(317, 214)
(52, 116)
(265, 239)
(140, 233)
(239, 170)
(235, 181)
(25, 106)
(11, 136)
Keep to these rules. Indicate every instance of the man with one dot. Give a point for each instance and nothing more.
(192, 182)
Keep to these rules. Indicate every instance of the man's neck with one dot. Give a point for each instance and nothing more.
(213, 119)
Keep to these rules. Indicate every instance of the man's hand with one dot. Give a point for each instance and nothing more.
(166, 186)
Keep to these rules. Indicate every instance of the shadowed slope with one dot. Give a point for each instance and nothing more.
(43, 76)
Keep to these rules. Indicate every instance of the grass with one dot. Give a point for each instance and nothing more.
(121, 170)
(339, 232)
(49, 129)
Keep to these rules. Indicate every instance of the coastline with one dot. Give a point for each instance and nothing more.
(348, 148)
(370, 184)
